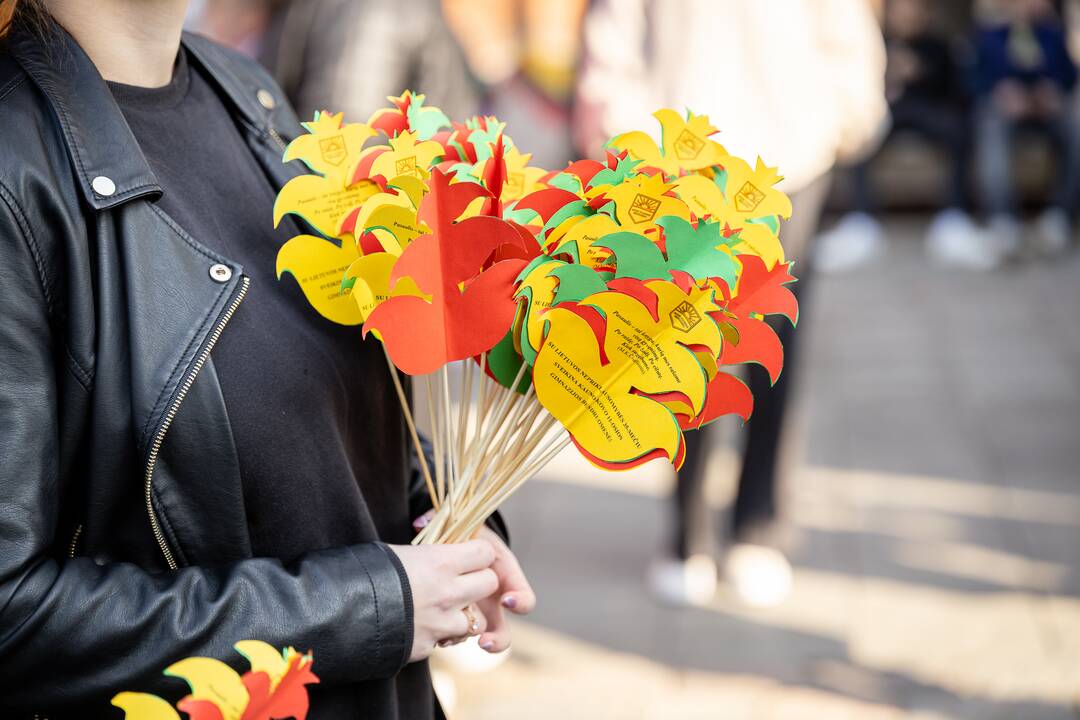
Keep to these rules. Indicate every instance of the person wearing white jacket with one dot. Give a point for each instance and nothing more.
(799, 83)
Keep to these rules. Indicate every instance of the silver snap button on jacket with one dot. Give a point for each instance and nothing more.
(103, 186)
(220, 273)
(266, 99)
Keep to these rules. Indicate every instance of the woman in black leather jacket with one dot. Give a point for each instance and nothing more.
(189, 457)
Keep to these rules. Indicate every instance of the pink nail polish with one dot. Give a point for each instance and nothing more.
(509, 602)
(421, 522)
(487, 645)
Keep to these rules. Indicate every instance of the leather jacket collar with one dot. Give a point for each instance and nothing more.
(99, 141)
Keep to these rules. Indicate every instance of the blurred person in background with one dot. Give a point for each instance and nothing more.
(1023, 80)
(927, 97)
(349, 55)
(798, 82)
(525, 53)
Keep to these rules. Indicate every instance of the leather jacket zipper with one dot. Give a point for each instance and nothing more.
(277, 138)
(74, 541)
(170, 415)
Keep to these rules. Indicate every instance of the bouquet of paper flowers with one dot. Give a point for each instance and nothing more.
(596, 305)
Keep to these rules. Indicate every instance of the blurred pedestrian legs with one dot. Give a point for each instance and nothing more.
(1024, 78)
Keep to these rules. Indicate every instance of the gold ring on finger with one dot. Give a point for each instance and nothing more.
(474, 624)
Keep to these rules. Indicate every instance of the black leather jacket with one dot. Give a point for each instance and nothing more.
(119, 553)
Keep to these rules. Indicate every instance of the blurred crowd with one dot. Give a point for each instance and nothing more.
(824, 89)
(972, 79)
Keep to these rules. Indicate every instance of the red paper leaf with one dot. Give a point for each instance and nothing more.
(199, 709)
(765, 291)
(363, 168)
(494, 176)
(639, 291)
(761, 292)
(758, 343)
(726, 395)
(584, 170)
(546, 202)
(458, 323)
(393, 121)
(288, 700)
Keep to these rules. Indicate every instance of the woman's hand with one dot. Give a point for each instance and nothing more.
(446, 580)
(513, 593)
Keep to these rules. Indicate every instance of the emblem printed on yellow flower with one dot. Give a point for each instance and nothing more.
(751, 192)
(641, 200)
(685, 143)
(407, 157)
(330, 147)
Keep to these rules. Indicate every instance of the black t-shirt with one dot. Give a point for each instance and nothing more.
(317, 427)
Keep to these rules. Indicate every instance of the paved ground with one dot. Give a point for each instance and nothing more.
(935, 514)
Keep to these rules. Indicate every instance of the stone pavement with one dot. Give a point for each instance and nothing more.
(934, 511)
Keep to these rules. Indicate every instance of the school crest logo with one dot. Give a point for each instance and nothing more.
(688, 145)
(406, 166)
(643, 208)
(748, 198)
(333, 149)
(684, 317)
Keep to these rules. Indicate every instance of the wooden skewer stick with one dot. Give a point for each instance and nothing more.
(435, 442)
(505, 423)
(504, 444)
(465, 405)
(512, 463)
(407, 411)
(490, 390)
(510, 486)
(448, 427)
(509, 396)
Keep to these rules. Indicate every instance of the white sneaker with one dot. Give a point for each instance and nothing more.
(1053, 232)
(953, 240)
(761, 576)
(684, 583)
(949, 228)
(855, 241)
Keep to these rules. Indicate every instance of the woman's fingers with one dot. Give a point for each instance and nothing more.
(517, 594)
(474, 586)
(469, 556)
(496, 636)
(422, 522)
